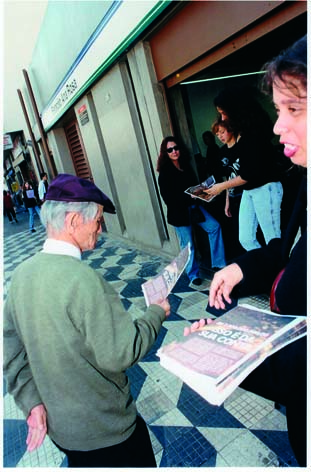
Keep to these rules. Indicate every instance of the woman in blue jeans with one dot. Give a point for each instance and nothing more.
(183, 211)
(30, 200)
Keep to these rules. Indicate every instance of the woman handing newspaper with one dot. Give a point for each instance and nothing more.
(282, 376)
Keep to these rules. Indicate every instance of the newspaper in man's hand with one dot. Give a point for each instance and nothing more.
(158, 288)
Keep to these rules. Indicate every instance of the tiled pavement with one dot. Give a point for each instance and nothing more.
(185, 430)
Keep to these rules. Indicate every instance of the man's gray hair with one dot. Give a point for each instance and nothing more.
(53, 213)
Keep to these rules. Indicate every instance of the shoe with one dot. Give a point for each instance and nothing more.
(16, 221)
(197, 281)
(11, 222)
(33, 231)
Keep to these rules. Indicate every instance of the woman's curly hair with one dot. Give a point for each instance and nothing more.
(163, 158)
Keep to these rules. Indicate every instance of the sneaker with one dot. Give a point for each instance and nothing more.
(11, 222)
(33, 230)
(197, 281)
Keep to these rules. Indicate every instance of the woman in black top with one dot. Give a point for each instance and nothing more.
(31, 198)
(281, 377)
(183, 211)
(262, 191)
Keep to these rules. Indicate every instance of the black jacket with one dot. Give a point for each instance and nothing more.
(173, 183)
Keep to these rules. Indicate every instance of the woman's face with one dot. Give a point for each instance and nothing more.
(224, 135)
(291, 124)
(222, 113)
(172, 150)
(26, 185)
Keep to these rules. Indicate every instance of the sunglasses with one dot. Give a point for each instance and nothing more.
(175, 148)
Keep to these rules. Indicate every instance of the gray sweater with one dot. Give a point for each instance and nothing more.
(67, 344)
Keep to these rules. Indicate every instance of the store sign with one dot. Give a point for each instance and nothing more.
(83, 115)
(117, 32)
(7, 142)
(65, 94)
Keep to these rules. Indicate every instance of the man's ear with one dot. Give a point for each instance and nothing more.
(71, 221)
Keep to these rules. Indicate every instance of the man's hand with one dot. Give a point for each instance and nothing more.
(223, 283)
(166, 306)
(196, 325)
(37, 427)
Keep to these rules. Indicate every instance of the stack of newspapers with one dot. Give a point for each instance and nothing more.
(215, 359)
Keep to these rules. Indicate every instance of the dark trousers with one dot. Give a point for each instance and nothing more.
(282, 378)
(136, 451)
(11, 213)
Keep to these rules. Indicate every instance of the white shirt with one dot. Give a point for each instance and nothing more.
(41, 189)
(55, 246)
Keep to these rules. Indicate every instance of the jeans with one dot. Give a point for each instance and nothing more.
(260, 206)
(31, 216)
(213, 229)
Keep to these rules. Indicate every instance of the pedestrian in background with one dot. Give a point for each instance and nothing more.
(8, 207)
(31, 197)
(183, 211)
(66, 351)
(43, 186)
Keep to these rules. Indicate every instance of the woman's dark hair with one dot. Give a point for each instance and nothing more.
(287, 67)
(27, 182)
(244, 112)
(163, 158)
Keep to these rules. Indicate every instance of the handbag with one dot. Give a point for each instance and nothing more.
(273, 304)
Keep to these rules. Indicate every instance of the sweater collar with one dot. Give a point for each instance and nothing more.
(55, 246)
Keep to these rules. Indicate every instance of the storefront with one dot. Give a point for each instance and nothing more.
(107, 117)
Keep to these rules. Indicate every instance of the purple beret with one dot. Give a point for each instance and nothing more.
(70, 188)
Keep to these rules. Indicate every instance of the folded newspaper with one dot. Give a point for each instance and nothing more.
(197, 190)
(158, 288)
(215, 359)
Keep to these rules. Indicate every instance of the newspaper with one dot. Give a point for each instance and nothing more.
(197, 190)
(214, 360)
(158, 288)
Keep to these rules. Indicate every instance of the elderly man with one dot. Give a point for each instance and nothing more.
(68, 340)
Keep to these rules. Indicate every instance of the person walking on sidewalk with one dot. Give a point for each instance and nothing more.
(31, 203)
(43, 186)
(66, 355)
(8, 207)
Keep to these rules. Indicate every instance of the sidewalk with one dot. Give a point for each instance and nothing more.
(185, 430)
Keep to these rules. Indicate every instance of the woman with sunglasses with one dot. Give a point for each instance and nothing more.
(175, 176)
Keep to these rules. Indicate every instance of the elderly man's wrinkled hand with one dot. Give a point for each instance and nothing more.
(166, 307)
(37, 427)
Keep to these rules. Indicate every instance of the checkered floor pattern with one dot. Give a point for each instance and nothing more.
(185, 430)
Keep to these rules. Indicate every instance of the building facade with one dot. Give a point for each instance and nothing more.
(111, 79)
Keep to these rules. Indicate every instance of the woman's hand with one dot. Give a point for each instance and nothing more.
(222, 284)
(214, 190)
(196, 325)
